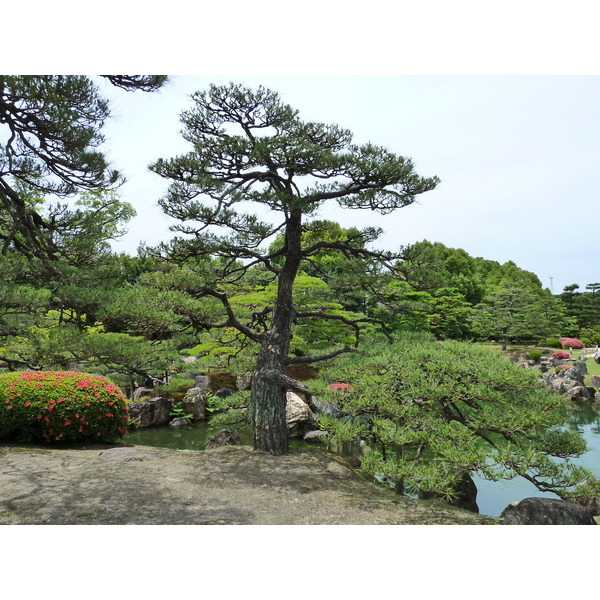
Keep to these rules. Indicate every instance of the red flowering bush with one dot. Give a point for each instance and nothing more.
(61, 406)
(562, 368)
(570, 342)
(340, 386)
(561, 354)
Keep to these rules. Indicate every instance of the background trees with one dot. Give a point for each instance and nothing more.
(249, 148)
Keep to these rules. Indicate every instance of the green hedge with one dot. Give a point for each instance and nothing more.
(61, 406)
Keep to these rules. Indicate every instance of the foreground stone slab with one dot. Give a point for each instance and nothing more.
(230, 485)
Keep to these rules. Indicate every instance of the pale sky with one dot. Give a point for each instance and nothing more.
(518, 158)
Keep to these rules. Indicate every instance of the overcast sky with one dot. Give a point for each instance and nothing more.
(518, 158)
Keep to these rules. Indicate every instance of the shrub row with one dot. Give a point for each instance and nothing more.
(61, 406)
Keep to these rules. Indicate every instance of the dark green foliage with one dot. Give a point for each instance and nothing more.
(434, 411)
(64, 406)
(51, 130)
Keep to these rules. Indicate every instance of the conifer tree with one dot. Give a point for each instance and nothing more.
(251, 153)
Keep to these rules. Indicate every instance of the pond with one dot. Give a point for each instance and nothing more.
(492, 497)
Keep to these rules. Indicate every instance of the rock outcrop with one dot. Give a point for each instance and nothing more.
(546, 511)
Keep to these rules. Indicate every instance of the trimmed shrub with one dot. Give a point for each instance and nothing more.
(534, 354)
(570, 342)
(561, 354)
(562, 368)
(61, 406)
(553, 342)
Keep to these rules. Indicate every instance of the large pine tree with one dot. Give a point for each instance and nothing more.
(251, 152)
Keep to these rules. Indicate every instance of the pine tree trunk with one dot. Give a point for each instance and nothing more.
(268, 397)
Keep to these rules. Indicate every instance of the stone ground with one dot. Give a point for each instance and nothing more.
(232, 485)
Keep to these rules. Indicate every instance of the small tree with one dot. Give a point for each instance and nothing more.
(250, 151)
(436, 411)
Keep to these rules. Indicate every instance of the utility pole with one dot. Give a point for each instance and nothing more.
(551, 287)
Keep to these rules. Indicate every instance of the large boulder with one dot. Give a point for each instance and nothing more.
(591, 503)
(546, 511)
(194, 403)
(298, 415)
(578, 372)
(150, 412)
(202, 382)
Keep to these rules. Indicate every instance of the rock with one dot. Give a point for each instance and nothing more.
(591, 503)
(596, 381)
(224, 392)
(243, 382)
(188, 360)
(142, 392)
(224, 437)
(577, 393)
(202, 382)
(298, 415)
(151, 412)
(330, 409)
(546, 511)
(578, 372)
(194, 403)
(314, 436)
(180, 422)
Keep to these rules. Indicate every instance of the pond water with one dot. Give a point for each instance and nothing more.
(492, 497)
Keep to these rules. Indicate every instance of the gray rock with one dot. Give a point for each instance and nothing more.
(577, 393)
(546, 511)
(591, 503)
(194, 403)
(224, 437)
(243, 382)
(151, 412)
(180, 422)
(578, 372)
(203, 382)
(330, 409)
(315, 435)
(142, 392)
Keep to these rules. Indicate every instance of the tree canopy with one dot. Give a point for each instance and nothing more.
(251, 152)
(50, 127)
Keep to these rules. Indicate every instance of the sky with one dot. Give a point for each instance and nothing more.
(518, 157)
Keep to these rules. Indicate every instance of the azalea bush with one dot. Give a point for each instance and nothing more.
(561, 354)
(571, 343)
(562, 368)
(61, 406)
